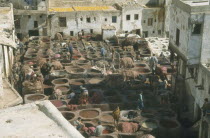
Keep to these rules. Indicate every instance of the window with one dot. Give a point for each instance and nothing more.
(136, 16)
(29, 16)
(150, 22)
(128, 17)
(126, 31)
(88, 20)
(114, 19)
(105, 19)
(144, 21)
(94, 18)
(196, 29)
(153, 32)
(62, 21)
(177, 36)
(81, 19)
(17, 24)
(155, 20)
(91, 31)
(40, 16)
(71, 33)
(159, 32)
(35, 24)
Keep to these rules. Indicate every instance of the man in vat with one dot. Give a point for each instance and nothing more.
(70, 50)
(140, 101)
(103, 52)
(78, 123)
(153, 61)
(99, 129)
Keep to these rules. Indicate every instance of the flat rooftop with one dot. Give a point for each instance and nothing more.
(39, 119)
(82, 8)
(192, 3)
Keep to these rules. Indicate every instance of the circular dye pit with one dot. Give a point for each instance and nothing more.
(166, 113)
(150, 124)
(60, 81)
(107, 117)
(35, 97)
(68, 115)
(114, 99)
(77, 70)
(106, 136)
(77, 82)
(141, 65)
(63, 88)
(110, 93)
(142, 70)
(168, 123)
(146, 115)
(64, 109)
(89, 113)
(95, 80)
(108, 129)
(94, 71)
(89, 125)
(132, 98)
(82, 62)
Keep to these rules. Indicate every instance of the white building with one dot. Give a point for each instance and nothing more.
(189, 39)
(8, 96)
(144, 17)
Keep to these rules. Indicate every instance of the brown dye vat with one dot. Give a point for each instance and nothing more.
(68, 115)
(63, 88)
(106, 136)
(89, 125)
(94, 71)
(77, 82)
(108, 129)
(35, 97)
(166, 113)
(133, 98)
(109, 93)
(107, 118)
(57, 103)
(60, 81)
(64, 109)
(95, 80)
(89, 113)
(140, 65)
(142, 70)
(114, 99)
(77, 70)
(82, 61)
(168, 123)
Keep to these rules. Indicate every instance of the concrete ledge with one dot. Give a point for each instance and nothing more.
(38, 119)
(10, 96)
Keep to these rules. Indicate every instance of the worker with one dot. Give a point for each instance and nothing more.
(153, 61)
(103, 52)
(71, 95)
(116, 116)
(70, 50)
(140, 101)
(99, 129)
(78, 123)
(206, 106)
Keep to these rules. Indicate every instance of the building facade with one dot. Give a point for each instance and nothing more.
(189, 32)
(38, 18)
